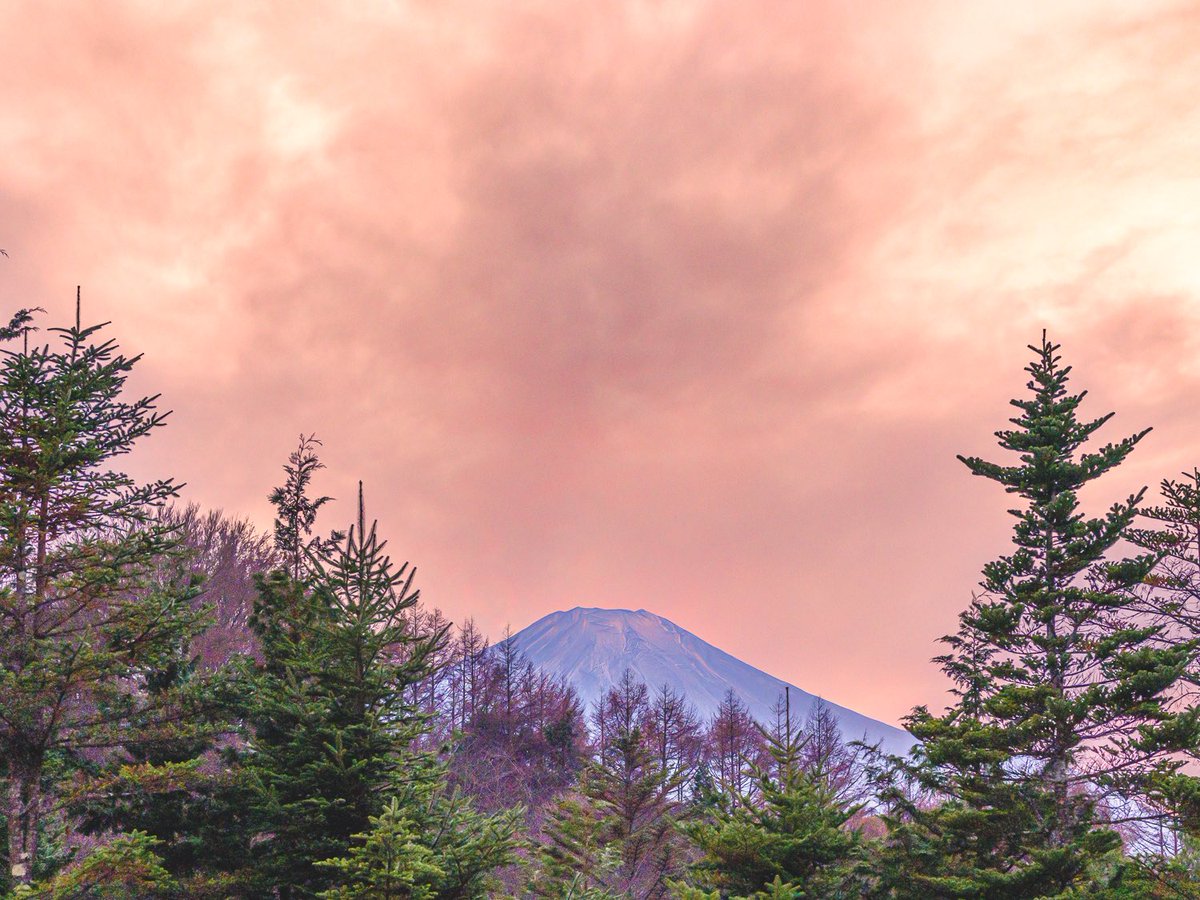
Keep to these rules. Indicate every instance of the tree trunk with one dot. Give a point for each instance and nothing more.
(21, 807)
(1057, 770)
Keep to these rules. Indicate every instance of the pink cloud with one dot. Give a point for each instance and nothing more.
(682, 306)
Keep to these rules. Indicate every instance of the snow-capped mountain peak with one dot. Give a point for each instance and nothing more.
(592, 647)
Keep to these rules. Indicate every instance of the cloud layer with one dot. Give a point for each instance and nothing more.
(684, 306)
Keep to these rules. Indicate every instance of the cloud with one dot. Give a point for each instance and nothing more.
(678, 305)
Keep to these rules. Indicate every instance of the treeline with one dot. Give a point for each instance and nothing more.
(191, 709)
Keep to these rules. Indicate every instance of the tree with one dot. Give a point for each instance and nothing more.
(1172, 599)
(616, 835)
(182, 790)
(733, 739)
(674, 730)
(126, 866)
(827, 757)
(83, 622)
(329, 712)
(1062, 692)
(334, 750)
(524, 744)
(787, 836)
(618, 712)
(226, 555)
(428, 841)
(296, 511)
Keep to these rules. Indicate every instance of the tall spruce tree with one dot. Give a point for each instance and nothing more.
(342, 789)
(330, 716)
(1062, 691)
(83, 623)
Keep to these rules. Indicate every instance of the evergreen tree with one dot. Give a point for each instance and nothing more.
(575, 856)
(124, 867)
(1173, 600)
(427, 841)
(334, 727)
(83, 624)
(617, 834)
(330, 717)
(1062, 692)
(184, 791)
(296, 511)
(787, 837)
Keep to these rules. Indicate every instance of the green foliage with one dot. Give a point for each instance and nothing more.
(576, 857)
(616, 835)
(176, 784)
(344, 801)
(427, 842)
(1173, 601)
(84, 621)
(331, 721)
(299, 771)
(296, 511)
(390, 862)
(1063, 693)
(125, 867)
(787, 837)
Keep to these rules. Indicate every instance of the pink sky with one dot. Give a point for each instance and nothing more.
(683, 306)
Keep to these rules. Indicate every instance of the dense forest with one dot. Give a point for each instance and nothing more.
(191, 708)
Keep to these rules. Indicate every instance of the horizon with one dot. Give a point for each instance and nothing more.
(690, 303)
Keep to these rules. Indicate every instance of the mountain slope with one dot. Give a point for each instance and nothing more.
(592, 647)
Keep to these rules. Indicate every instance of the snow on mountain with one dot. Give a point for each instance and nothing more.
(591, 648)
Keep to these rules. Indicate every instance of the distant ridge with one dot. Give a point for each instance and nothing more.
(592, 647)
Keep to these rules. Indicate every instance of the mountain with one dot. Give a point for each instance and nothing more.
(591, 648)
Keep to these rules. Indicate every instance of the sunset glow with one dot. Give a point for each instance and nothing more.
(677, 306)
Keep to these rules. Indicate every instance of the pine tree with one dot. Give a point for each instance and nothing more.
(335, 725)
(296, 511)
(616, 835)
(427, 841)
(1172, 599)
(83, 625)
(1062, 693)
(786, 836)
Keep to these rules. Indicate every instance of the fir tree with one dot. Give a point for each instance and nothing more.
(787, 837)
(334, 722)
(427, 841)
(124, 867)
(296, 511)
(184, 791)
(1173, 600)
(617, 834)
(83, 626)
(1062, 692)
